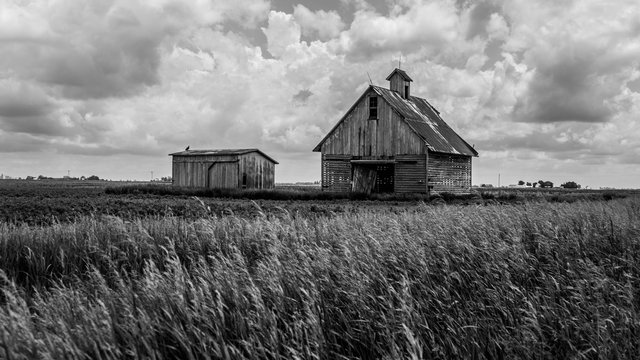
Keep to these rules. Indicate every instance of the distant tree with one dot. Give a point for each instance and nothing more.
(528, 183)
(571, 185)
(30, 178)
(93, 177)
(521, 182)
(545, 184)
(534, 184)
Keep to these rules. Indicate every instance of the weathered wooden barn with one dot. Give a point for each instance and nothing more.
(392, 141)
(220, 169)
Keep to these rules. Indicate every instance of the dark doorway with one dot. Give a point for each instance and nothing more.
(384, 180)
(373, 178)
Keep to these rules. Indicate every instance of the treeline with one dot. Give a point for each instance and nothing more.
(548, 184)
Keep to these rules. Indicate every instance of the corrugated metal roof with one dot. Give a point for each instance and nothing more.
(426, 122)
(221, 152)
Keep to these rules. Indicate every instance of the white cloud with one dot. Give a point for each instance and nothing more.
(281, 32)
(323, 24)
(429, 25)
(146, 78)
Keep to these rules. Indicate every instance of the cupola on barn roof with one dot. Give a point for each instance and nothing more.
(401, 72)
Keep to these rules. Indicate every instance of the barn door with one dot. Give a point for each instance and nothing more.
(223, 175)
(364, 179)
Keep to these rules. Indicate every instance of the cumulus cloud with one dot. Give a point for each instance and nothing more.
(282, 31)
(577, 67)
(429, 25)
(323, 24)
(21, 99)
(484, 18)
(551, 82)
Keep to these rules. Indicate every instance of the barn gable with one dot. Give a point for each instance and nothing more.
(420, 116)
(360, 135)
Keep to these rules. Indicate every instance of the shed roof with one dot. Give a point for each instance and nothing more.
(423, 119)
(221, 152)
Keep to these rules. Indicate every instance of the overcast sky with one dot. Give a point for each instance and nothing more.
(544, 89)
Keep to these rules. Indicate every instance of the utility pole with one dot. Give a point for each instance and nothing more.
(68, 173)
(498, 179)
(151, 175)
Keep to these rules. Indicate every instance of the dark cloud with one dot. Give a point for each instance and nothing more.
(22, 100)
(19, 143)
(537, 141)
(567, 85)
(37, 125)
(91, 50)
(479, 18)
(302, 96)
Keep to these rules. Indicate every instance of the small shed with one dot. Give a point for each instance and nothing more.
(224, 169)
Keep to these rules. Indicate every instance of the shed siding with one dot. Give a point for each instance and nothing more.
(224, 171)
(223, 175)
(449, 173)
(260, 172)
(386, 136)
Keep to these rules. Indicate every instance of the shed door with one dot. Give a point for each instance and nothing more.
(223, 175)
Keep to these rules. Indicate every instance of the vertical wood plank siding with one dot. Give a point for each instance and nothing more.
(411, 174)
(259, 170)
(449, 173)
(207, 170)
(387, 136)
(223, 175)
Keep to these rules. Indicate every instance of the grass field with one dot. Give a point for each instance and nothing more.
(172, 276)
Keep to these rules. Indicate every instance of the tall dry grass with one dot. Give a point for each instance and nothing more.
(516, 281)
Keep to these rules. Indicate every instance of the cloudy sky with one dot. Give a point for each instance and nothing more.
(544, 89)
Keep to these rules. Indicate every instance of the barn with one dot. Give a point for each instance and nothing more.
(392, 141)
(223, 169)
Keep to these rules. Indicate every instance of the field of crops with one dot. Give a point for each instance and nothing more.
(140, 274)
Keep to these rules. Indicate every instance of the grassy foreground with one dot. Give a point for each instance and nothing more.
(539, 280)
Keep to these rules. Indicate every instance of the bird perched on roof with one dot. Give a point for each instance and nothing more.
(187, 148)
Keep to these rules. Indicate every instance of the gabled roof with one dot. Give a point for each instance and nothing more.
(221, 152)
(401, 72)
(422, 118)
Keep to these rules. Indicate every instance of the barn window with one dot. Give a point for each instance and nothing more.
(373, 107)
(406, 91)
(244, 180)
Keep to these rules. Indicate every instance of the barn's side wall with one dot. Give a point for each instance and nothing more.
(359, 136)
(411, 174)
(449, 173)
(193, 171)
(260, 171)
(336, 172)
